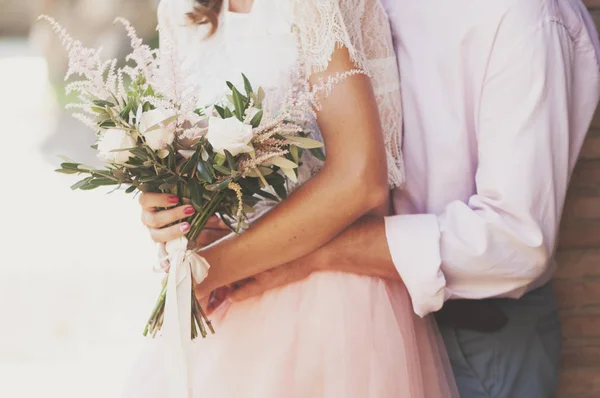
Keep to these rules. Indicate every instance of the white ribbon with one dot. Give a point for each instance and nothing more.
(183, 265)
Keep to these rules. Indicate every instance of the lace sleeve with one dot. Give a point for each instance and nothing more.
(362, 27)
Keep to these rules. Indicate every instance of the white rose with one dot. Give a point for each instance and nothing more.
(229, 134)
(159, 137)
(115, 139)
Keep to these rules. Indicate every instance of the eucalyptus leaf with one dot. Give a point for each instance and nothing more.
(247, 85)
(222, 169)
(306, 143)
(221, 111)
(281, 190)
(196, 192)
(67, 171)
(255, 122)
(205, 172)
(283, 163)
(107, 124)
(230, 160)
(238, 103)
(221, 186)
(161, 124)
(290, 173)
(220, 159)
(103, 181)
(294, 153)
(261, 95)
(318, 153)
(103, 103)
(81, 183)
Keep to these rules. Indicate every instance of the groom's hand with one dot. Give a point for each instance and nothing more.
(271, 279)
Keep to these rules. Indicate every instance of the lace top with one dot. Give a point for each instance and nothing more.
(268, 43)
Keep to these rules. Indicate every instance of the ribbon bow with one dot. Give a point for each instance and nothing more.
(183, 265)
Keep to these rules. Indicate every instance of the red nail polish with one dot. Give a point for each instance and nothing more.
(185, 227)
(189, 210)
(173, 199)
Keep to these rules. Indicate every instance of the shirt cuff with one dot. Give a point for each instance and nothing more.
(414, 243)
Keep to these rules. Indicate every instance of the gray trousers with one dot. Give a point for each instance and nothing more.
(519, 361)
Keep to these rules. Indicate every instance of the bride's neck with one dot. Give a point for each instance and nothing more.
(241, 6)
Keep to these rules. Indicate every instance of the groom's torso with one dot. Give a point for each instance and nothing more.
(443, 51)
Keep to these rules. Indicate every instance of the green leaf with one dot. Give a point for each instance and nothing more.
(103, 181)
(291, 174)
(124, 114)
(79, 184)
(188, 166)
(103, 103)
(107, 123)
(281, 190)
(283, 163)
(67, 171)
(228, 113)
(255, 122)
(261, 95)
(205, 171)
(149, 92)
(221, 186)
(221, 111)
(222, 169)
(247, 85)
(252, 186)
(220, 159)
(97, 109)
(230, 160)
(318, 153)
(88, 187)
(130, 189)
(275, 179)
(294, 153)
(306, 143)
(196, 191)
(239, 103)
(162, 123)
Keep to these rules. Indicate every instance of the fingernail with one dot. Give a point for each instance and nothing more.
(185, 227)
(189, 210)
(173, 199)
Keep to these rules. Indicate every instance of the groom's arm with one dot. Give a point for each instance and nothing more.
(498, 242)
(361, 249)
(532, 115)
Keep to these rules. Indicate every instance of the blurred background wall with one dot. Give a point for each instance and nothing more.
(76, 285)
(577, 280)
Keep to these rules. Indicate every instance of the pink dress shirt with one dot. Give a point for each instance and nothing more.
(497, 100)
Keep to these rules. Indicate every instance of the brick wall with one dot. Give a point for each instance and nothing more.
(577, 280)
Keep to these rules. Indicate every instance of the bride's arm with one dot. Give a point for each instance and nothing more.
(352, 183)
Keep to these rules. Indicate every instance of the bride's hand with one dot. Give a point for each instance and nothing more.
(166, 225)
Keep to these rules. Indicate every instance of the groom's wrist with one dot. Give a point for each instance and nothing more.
(319, 260)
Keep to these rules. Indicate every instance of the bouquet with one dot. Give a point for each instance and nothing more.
(223, 158)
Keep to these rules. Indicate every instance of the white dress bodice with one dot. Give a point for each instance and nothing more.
(271, 42)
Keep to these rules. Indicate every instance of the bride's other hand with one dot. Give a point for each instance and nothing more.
(166, 225)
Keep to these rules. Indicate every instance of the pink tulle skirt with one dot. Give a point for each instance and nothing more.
(332, 335)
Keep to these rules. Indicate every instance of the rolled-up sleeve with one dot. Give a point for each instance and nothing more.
(531, 123)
